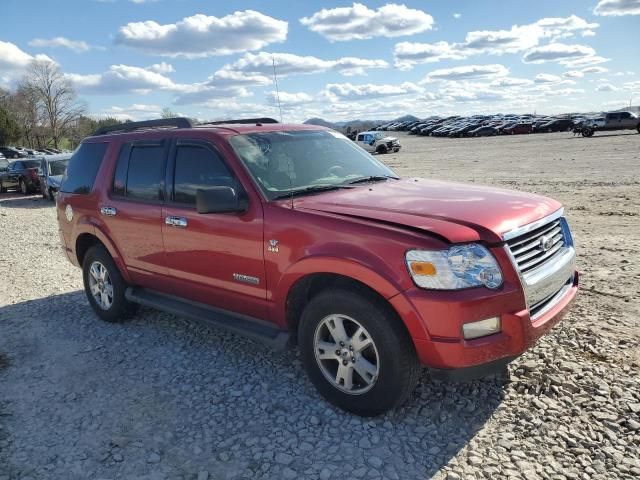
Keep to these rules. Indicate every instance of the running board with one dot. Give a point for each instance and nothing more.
(250, 327)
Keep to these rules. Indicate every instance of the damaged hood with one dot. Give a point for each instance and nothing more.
(455, 211)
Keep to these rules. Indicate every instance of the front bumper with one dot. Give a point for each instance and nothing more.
(449, 352)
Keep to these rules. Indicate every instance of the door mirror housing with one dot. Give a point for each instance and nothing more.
(220, 200)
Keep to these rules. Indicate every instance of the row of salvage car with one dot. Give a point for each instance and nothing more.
(490, 125)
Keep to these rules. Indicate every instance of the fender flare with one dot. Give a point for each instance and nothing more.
(86, 226)
(385, 287)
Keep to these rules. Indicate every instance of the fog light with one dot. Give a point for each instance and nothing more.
(481, 328)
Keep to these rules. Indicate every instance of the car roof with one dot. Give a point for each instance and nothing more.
(223, 129)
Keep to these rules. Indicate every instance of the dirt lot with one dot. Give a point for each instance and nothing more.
(159, 397)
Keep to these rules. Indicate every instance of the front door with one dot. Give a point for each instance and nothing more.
(212, 258)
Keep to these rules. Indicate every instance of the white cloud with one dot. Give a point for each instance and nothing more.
(595, 70)
(617, 8)
(584, 61)
(289, 64)
(556, 52)
(547, 78)
(457, 15)
(162, 67)
(360, 22)
(348, 91)
(467, 72)
(135, 112)
(123, 79)
(606, 87)
(588, 33)
(492, 42)
(408, 54)
(289, 99)
(510, 82)
(573, 74)
(77, 46)
(14, 61)
(202, 36)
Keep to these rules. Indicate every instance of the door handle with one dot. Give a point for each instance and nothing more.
(179, 222)
(108, 211)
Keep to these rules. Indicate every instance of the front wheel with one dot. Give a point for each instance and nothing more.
(104, 286)
(23, 187)
(356, 352)
(381, 149)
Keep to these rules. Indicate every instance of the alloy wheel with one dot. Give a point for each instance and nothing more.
(346, 354)
(100, 285)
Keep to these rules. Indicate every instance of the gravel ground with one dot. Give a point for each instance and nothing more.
(160, 397)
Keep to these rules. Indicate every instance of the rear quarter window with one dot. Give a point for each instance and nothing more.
(83, 168)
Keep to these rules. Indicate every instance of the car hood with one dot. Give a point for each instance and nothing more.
(456, 212)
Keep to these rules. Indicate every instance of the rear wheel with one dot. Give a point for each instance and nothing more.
(23, 187)
(356, 352)
(381, 149)
(104, 286)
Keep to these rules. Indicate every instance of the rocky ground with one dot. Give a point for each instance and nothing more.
(160, 397)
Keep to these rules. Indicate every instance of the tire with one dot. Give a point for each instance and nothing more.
(23, 187)
(389, 361)
(2, 189)
(52, 197)
(381, 150)
(638, 128)
(119, 309)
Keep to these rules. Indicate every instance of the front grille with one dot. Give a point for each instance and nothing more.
(545, 304)
(534, 249)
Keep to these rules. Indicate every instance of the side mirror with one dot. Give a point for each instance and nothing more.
(220, 200)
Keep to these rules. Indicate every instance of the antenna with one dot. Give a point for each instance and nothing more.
(275, 79)
(289, 166)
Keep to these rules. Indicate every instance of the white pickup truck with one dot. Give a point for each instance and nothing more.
(377, 142)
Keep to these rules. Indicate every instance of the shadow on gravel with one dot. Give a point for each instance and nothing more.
(162, 394)
(17, 200)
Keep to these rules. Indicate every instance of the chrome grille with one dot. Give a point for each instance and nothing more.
(533, 249)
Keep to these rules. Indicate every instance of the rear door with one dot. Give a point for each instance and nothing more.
(627, 121)
(212, 258)
(132, 210)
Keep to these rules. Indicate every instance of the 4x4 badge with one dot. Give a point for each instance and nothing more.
(273, 246)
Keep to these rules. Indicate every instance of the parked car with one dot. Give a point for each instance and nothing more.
(288, 231)
(377, 142)
(483, 131)
(613, 121)
(518, 128)
(21, 175)
(555, 125)
(52, 169)
(11, 153)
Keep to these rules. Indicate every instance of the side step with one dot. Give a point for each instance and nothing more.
(250, 327)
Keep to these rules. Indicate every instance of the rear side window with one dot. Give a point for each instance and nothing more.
(144, 173)
(83, 168)
(198, 167)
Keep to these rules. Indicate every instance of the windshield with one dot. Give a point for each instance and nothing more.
(58, 168)
(281, 161)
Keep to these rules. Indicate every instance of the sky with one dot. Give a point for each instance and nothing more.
(336, 60)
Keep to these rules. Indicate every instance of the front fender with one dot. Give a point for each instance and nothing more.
(385, 287)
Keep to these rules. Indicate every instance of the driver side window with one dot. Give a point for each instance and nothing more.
(198, 167)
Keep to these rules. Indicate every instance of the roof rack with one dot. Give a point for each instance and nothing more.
(178, 122)
(243, 121)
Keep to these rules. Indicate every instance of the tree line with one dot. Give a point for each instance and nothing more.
(44, 111)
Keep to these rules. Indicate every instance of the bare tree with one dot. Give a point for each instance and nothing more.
(55, 96)
(168, 113)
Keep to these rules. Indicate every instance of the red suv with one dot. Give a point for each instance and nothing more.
(293, 233)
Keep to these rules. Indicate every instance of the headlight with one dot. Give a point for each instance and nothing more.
(461, 266)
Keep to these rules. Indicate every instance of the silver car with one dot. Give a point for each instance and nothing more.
(52, 169)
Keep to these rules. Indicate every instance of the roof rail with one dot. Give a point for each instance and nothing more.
(242, 120)
(178, 122)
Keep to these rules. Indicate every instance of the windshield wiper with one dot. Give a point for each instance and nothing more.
(371, 178)
(307, 190)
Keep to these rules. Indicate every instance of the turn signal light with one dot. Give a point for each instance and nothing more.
(423, 268)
